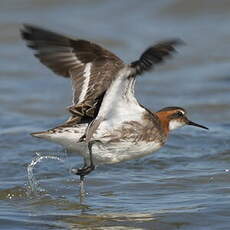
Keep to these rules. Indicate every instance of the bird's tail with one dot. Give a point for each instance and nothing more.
(41, 134)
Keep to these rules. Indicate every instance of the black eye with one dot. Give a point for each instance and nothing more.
(179, 114)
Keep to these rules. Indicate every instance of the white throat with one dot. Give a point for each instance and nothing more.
(174, 124)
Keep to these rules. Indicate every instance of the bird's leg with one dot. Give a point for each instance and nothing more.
(82, 189)
(86, 169)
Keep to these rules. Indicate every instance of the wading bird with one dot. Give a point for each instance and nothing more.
(107, 124)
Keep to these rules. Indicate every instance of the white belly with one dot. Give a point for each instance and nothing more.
(111, 153)
(106, 152)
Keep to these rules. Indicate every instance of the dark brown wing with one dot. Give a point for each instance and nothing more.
(91, 67)
(155, 54)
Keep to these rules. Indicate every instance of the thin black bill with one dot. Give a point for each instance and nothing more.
(197, 125)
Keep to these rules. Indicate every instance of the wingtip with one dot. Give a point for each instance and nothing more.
(157, 53)
(25, 26)
(178, 41)
(28, 26)
(169, 42)
(25, 30)
(28, 29)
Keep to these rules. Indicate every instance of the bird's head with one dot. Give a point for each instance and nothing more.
(175, 117)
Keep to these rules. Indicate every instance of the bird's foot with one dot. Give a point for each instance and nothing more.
(84, 171)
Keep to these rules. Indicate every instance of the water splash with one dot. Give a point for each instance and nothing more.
(33, 183)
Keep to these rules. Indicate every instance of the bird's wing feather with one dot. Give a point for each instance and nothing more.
(154, 55)
(90, 67)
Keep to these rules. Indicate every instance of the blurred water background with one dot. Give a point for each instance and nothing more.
(183, 186)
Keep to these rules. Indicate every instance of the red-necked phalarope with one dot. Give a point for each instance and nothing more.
(107, 124)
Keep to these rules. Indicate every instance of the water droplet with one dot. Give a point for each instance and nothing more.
(33, 184)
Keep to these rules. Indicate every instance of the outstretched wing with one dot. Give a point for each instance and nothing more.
(90, 67)
(155, 54)
(119, 104)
